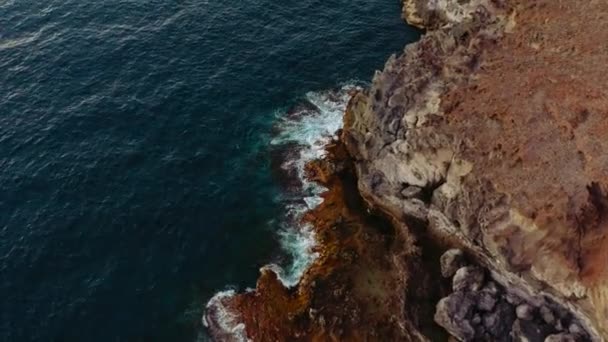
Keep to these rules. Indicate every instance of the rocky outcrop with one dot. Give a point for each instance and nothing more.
(483, 146)
(481, 309)
(359, 288)
(491, 131)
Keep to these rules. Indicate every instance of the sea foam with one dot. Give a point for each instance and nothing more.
(308, 131)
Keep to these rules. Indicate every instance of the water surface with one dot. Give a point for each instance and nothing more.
(135, 151)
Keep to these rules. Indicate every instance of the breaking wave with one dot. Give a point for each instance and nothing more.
(307, 130)
(304, 131)
(224, 323)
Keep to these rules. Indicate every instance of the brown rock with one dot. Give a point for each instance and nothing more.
(500, 112)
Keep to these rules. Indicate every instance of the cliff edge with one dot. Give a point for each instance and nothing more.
(491, 132)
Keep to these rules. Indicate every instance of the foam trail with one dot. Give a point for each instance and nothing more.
(310, 130)
(223, 323)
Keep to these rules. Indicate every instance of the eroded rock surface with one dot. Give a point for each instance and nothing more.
(485, 139)
(500, 115)
(358, 289)
(481, 309)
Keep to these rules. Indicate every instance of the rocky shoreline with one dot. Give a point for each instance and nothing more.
(468, 191)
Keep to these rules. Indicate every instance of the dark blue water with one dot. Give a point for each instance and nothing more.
(135, 172)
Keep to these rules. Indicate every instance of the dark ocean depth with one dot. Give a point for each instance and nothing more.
(136, 175)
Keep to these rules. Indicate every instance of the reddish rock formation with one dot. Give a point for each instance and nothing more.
(356, 290)
(488, 135)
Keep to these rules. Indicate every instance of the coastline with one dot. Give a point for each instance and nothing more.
(356, 287)
(419, 226)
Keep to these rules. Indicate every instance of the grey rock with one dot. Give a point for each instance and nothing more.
(411, 192)
(527, 331)
(524, 312)
(559, 325)
(547, 315)
(500, 321)
(490, 321)
(486, 301)
(492, 288)
(561, 338)
(514, 299)
(454, 314)
(451, 261)
(575, 329)
(468, 278)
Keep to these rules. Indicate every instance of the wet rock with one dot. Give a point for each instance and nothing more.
(524, 312)
(451, 261)
(528, 331)
(468, 278)
(453, 314)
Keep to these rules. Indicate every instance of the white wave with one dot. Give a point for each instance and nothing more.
(299, 243)
(221, 320)
(311, 130)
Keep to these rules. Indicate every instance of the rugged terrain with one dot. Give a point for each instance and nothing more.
(499, 115)
(483, 148)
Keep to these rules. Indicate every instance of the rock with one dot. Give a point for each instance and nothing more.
(516, 162)
(547, 315)
(527, 331)
(468, 278)
(575, 329)
(500, 321)
(514, 299)
(492, 288)
(451, 261)
(564, 337)
(486, 301)
(453, 314)
(524, 312)
(411, 192)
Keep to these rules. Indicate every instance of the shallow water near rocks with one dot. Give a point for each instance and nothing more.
(136, 152)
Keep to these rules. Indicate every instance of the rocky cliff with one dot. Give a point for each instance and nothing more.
(468, 194)
(492, 132)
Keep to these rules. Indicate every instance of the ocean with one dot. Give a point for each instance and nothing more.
(151, 152)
